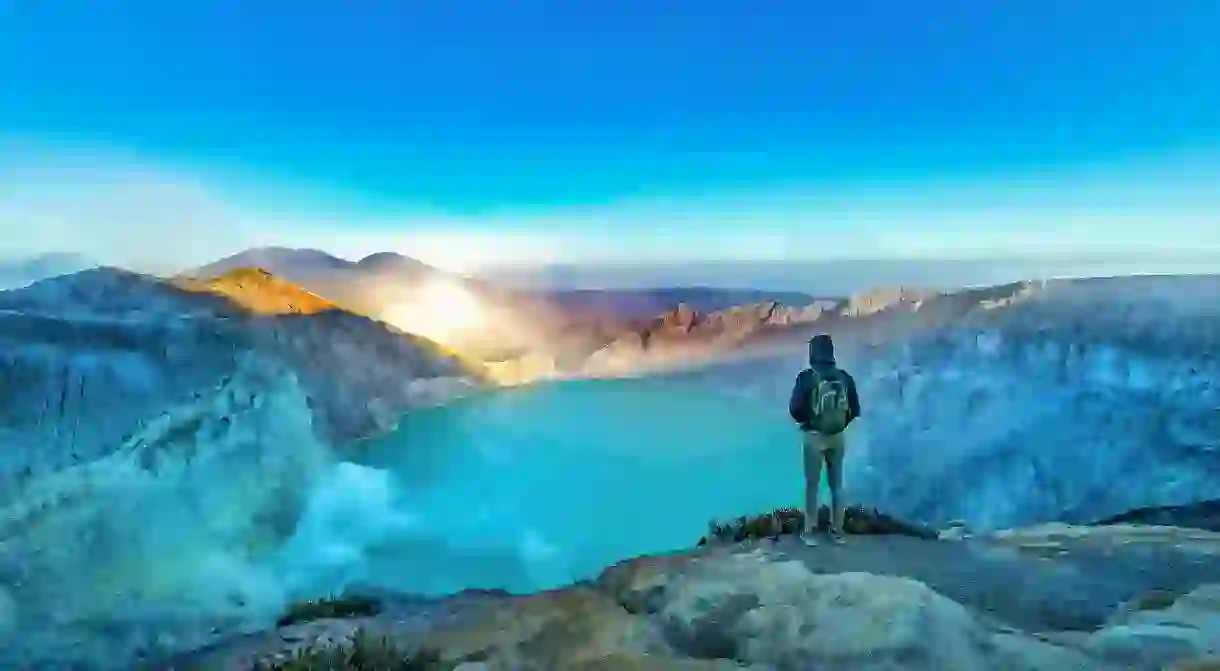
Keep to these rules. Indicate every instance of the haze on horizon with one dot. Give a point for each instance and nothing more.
(491, 138)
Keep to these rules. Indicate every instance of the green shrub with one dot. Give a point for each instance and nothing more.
(362, 653)
(858, 520)
(333, 607)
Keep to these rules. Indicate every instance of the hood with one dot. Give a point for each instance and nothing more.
(821, 350)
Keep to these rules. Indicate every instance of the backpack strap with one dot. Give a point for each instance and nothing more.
(831, 374)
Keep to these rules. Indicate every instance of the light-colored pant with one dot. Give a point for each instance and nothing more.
(829, 449)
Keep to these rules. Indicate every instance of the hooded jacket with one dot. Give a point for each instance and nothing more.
(821, 359)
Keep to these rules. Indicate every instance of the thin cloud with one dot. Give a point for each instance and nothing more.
(123, 210)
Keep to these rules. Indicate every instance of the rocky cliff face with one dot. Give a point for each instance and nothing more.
(685, 335)
(89, 356)
(624, 305)
(1086, 399)
(167, 521)
(125, 398)
(1076, 400)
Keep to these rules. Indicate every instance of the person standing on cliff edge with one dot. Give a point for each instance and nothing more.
(824, 403)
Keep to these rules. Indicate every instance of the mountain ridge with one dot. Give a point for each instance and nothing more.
(126, 313)
(274, 259)
(563, 327)
(23, 271)
(259, 291)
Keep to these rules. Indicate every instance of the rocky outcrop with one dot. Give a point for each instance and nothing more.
(685, 335)
(172, 434)
(874, 603)
(1201, 515)
(872, 302)
(93, 359)
(1048, 403)
(156, 524)
(88, 356)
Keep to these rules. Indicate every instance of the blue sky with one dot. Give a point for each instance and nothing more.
(470, 133)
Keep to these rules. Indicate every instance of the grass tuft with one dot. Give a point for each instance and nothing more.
(858, 520)
(363, 653)
(329, 608)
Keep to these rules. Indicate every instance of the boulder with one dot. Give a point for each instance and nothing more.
(1187, 629)
(753, 609)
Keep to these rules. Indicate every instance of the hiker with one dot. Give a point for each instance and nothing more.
(824, 402)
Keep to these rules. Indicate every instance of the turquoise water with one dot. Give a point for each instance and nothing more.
(536, 487)
(521, 489)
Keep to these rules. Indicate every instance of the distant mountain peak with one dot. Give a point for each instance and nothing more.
(23, 271)
(276, 259)
(300, 265)
(307, 252)
(391, 260)
(383, 257)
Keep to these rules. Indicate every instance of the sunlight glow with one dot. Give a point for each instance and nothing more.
(440, 310)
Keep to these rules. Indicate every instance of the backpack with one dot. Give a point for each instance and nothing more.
(829, 411)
